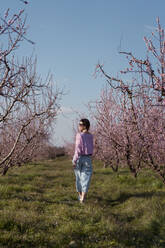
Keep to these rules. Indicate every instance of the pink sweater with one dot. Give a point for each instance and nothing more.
(83, 146)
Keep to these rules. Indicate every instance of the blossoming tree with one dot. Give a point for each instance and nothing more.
(140, 129)
(28, 105)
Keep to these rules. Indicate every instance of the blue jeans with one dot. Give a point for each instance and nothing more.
(83, 173)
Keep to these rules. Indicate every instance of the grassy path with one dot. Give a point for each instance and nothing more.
(39, 208)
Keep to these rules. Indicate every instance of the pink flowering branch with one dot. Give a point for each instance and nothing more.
(28, 104)
(140, 120)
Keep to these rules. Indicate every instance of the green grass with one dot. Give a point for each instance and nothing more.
(39, 208)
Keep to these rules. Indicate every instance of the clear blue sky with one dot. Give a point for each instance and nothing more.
(71, 36)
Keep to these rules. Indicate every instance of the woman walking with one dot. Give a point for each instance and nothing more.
(82, 161)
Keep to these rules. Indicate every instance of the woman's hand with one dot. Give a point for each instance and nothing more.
(74, 165)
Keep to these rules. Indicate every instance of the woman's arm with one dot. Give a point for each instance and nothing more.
(78, 148)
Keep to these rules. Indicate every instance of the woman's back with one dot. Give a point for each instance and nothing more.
(87, 143)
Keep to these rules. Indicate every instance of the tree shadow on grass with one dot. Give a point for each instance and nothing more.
(146, 195)
(145, 238)
(126, 234)
(124, 197)
(103, 172)
(29, 244)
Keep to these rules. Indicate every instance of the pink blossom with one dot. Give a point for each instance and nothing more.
(157, 85)
(21, 11)
(6, 13)
(10, 22)
(160, 99)
(163, 102)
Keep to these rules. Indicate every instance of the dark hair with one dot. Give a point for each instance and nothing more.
(85, 122)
